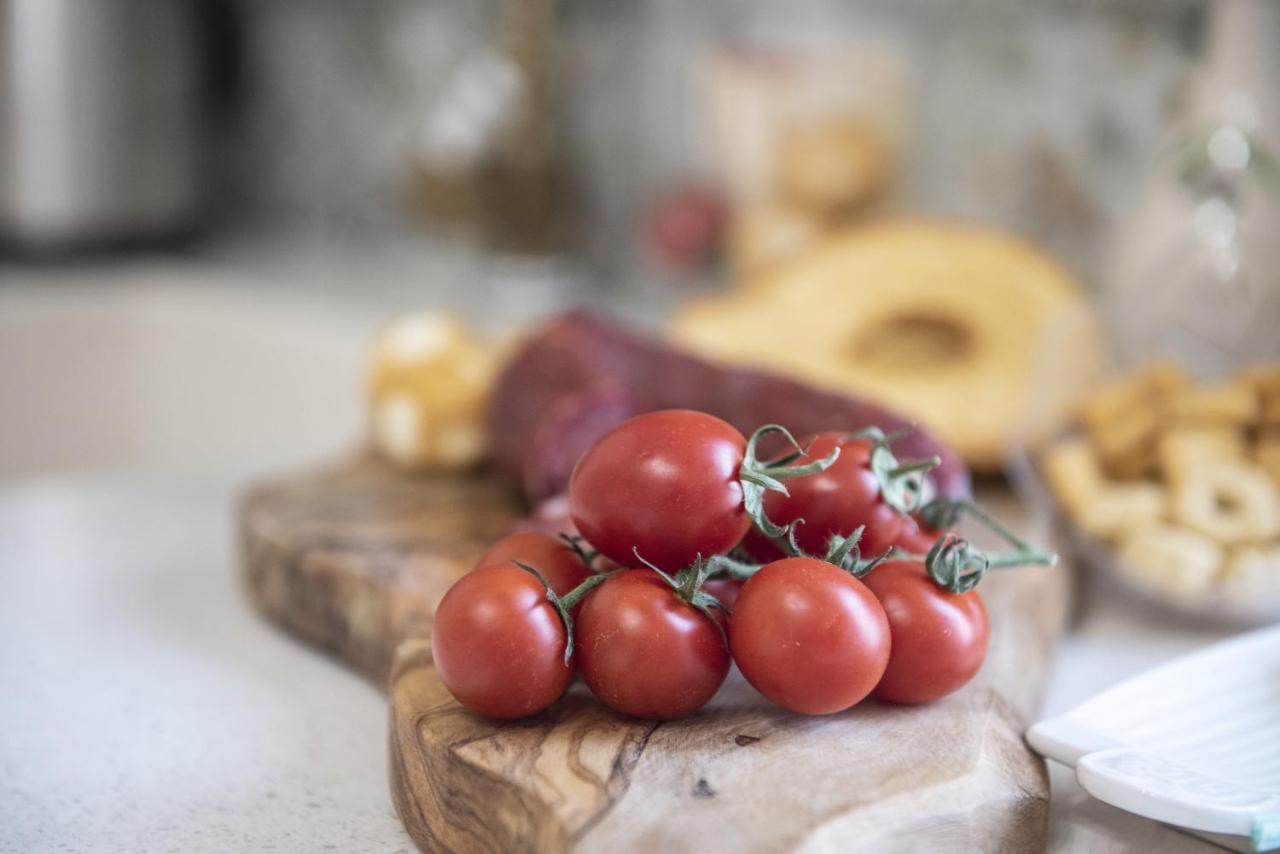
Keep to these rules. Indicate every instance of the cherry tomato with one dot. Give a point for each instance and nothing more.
(664, 483)
(646, 652)
(835, 501)
(724, 589)
(915, 538)
(498, 644)
(939, 638)
(551, 556)
(809, 636)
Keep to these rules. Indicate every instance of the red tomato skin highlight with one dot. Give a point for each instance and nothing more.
(551, 556)
(498, 644)
(809, 636)
(665, 485)
(646, 653)
(834, 501)
(939, 638)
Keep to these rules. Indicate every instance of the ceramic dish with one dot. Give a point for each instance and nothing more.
(1194, 743)
(1213, 607)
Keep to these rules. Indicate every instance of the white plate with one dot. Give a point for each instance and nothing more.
(1194, 743)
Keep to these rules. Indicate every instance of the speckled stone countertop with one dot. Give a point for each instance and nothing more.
(146, 707)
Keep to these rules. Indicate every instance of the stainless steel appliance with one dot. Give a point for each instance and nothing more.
(101, 137)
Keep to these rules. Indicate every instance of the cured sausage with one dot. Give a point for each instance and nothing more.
(581, 374)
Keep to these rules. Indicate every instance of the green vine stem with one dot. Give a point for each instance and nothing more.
(901, 481)
(728, 566)
(564, 604)
(758, 477)
(943, 513)
(786, 541)
(587, 556)
(687, 585)
(841, 551)
(955, 565)
(844, 553)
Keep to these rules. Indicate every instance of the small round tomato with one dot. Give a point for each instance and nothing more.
(834, 501)
(498, 644)
(559, 564)
(665, 485)
(724, 589)
(644, 651)
(939, 638)
(915, 538)
(809, 636)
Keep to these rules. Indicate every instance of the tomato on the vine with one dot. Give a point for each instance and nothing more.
(668, 487)
(863, 487)
(939, 638)
(915, 538)
(499, 644)
(665, 485)
(558, 562)
(646, 652)
(809, 636)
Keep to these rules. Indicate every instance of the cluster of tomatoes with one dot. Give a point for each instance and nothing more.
(694, 554)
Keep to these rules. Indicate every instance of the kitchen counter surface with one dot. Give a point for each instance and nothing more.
(147, 708)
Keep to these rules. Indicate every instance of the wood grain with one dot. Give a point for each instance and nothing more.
(355, 559)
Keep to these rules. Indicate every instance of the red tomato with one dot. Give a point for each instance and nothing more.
(646, 652)
(835, 501)
(724, 589)
(809, 636)
(664, 483)
(939, 638)
(498, 644)
(915, 538)
(551, 556)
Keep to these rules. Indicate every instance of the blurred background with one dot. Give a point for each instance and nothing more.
(229, 183)
(507, 159)
(383, 136)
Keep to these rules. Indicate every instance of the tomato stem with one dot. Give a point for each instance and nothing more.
(912, 466)
(758, 477)
(946, 512)
(586, 556)
(591, 582)
(731, 567)
(844, 553)
(687, 585)
(954, 564)
(1011, 560)
(957, 565)
(786, 540)
(564, 603)
(901, 483)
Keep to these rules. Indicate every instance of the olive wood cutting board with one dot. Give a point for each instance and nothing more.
(354, 560)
